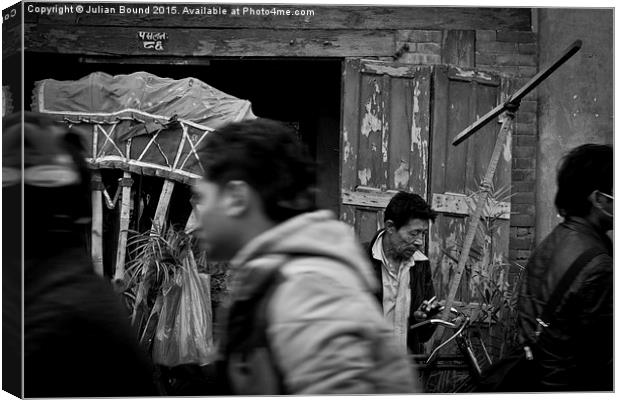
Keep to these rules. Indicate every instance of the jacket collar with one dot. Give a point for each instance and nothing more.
(583, 226)
(376, 250)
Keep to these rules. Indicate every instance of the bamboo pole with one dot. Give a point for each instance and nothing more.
(472, 227)
(192, 221)
(162, 206)
(97, 223)
(121, 249)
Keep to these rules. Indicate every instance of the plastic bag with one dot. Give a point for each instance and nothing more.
(184, 330)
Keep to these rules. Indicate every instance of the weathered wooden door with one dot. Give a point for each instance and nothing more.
(397, 127)
(460, 97)
(385, 138)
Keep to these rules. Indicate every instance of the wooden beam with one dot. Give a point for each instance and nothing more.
(459, 204)
(96, 41)
(456, 73)
(515, 99)
(390, 68)
(146, 60)
(315, 17)
(367, 197)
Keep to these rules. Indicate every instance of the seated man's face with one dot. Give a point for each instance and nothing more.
(410, 238)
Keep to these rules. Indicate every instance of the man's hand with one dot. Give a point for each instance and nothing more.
(428, 309)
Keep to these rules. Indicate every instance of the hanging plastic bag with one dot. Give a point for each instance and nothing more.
(184, 330)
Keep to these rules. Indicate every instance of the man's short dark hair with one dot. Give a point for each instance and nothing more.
(268, 156)
(404, 207)
(583, 170)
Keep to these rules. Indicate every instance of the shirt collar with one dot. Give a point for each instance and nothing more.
(377, 247)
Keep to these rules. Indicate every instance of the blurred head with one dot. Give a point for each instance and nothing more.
(406, 221)
(585, 184)
(55, 176)
(257, 174)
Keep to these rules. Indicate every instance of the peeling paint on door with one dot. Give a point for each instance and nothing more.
(418, 145)
(364, 176)
(401, 175)
(391, 71)
(384, 141)
(472, 74)
(346, 145)
(416, 131)
(370, 122)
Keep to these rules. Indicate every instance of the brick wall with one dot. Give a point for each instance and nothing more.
(514, 54)
(424, 47)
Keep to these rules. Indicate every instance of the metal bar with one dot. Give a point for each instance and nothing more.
(519, 94)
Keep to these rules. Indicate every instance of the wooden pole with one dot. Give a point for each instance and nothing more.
(485, 185)
(121, 249)
(97, 223)
(192, 221)
(520, 94)
(162, 206)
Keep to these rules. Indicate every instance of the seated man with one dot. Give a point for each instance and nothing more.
(403, 271)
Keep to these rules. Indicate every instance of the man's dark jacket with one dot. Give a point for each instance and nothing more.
(421, 285)
(576, 351)
(77, 337)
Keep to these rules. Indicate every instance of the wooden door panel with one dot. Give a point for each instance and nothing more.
(385, 133)
(458, 113)
(461, 96)
(374, 134)
(409, 139)
(390, 143)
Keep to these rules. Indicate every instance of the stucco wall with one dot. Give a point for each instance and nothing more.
(576, 102)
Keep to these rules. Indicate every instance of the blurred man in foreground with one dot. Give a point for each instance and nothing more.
(77, 338)
(302, 319)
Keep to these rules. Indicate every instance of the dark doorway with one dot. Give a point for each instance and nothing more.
(303, 92)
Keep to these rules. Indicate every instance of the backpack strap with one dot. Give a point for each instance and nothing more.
(246, 326)
(247, 319)
(567, 279)
(261, 324)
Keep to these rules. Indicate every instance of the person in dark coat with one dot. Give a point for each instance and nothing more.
(77, 337)
(573, 349)
(403, 271)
